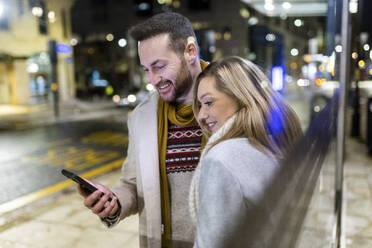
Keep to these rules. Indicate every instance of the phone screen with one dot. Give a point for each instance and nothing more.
(87, 186)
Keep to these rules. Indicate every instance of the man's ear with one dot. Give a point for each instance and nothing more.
(191, 51)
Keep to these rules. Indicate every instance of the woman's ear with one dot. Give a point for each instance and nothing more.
(191, 51)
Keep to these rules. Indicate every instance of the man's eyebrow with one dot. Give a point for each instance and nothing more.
(152, 64)
(155, 62)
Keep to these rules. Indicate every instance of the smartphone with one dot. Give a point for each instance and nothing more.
(87, 186)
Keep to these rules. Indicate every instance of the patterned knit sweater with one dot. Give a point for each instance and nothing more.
(182, 157)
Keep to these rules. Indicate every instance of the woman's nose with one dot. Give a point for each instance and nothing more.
(201, 115)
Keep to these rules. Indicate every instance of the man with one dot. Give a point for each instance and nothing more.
(164, 139)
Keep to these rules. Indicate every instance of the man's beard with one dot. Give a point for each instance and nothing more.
(185, 79)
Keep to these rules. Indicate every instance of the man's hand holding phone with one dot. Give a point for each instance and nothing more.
(102, 202)
(97, 197)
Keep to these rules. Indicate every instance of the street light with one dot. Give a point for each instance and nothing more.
(298, 23)
(269, 5)
(122, 42)
(361, 63)
(338, 48)
(37, 11)
(294, 51)
(73, 42)
(131, 98)
(244, 13)
(270, 37)
(286, 5)
(252, 56)
(52, 16)
(32, 68)
(149, 87)
(110, 37)
(252, 21)
(353, 6)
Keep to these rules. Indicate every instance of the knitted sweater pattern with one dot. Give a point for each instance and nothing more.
(182, 157)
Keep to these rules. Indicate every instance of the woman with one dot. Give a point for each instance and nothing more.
(250, 129)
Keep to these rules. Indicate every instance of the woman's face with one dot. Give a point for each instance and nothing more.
(216, 107)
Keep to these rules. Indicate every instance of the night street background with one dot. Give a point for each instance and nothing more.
(32, 159)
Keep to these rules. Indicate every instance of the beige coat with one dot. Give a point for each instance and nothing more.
(139, 187)
(232, 207)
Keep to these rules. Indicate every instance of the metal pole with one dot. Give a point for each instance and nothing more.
(344, 85)
(54, 84)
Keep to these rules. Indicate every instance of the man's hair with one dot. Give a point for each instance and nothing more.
(263, 117)
(177, 26)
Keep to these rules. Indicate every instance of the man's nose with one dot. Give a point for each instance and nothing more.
(154, 78)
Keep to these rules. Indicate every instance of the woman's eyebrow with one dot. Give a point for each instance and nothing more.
(204, 95)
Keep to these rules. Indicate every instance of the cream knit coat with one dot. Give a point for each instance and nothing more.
(194, 187)
(227, 195)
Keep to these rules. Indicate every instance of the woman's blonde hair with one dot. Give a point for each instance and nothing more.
(263, 117)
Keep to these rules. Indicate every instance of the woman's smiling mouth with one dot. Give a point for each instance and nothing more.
(210, 125)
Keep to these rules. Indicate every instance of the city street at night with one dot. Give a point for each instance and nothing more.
(41, 208)
(273, 98)
(37, 203)
(31, 159)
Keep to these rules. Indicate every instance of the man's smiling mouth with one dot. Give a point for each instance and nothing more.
(164, 85)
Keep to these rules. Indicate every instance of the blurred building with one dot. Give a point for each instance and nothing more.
(26, 26)
(100, 25)
(277, 39)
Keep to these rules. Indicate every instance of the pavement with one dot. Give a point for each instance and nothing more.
(20, 117)
(61, 220)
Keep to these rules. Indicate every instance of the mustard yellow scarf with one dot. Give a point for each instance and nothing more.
(180, 115)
